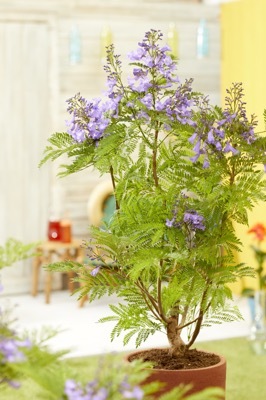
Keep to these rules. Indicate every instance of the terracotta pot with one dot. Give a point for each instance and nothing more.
(200, 378)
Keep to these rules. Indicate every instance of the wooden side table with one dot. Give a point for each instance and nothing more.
(53, 251)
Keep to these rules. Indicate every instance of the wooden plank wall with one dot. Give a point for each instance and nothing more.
(128, 21)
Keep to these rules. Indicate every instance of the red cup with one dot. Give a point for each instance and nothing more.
(65, 231)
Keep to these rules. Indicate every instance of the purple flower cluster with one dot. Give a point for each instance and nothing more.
(223, 133)
(154, 84)
(92, 391)
(155, 72)
(194, 220)
(191, 218)
(90, 118)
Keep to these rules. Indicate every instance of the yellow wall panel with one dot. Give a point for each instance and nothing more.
(244, 60)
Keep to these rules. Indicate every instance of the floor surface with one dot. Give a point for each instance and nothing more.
(83, 335)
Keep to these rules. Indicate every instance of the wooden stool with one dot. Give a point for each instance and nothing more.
(47, 252)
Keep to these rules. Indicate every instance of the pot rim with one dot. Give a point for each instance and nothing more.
(185, 370)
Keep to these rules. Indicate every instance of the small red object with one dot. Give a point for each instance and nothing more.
(54, 230)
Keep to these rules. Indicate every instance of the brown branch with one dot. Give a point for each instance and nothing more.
(154, 159)
(153, 302)
(199, 320)
(159, 296)
(114, 186)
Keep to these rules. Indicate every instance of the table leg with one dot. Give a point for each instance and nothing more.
(48, 284)
(83, 300)
(48, 278)
(35, 278)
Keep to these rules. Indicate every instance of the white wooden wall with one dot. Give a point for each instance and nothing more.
(36, 78)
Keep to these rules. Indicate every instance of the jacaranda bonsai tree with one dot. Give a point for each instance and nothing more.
(183, 172)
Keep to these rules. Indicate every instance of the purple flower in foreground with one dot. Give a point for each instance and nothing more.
(10, 349)
(74, 391)
(101, 394)
(194, 220)
(136, 393)
(11, 383)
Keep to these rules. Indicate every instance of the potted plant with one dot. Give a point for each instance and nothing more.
(183, 171)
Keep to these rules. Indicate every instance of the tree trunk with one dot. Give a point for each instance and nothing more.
(177, 344)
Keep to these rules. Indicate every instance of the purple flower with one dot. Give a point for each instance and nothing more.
(77, 133)
(195, 157)
(170, 222)
(147, 101)
(10, 349)
(139, 85)
(218, 146)
(193, 219)
(206, 163)
(229, 148)
(197, 147)
(137, 55)
(193, 138)
(95, 271)
(135, 393)
(143, 115)
(101, 394)
(75, 391)
(91, 118)
(211, 139)
(139, 73)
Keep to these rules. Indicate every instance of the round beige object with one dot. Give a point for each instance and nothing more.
(96, 201)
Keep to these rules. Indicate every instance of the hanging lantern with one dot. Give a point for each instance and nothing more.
(172, 39)
(106, 40)
(202, 39)
(74, 45)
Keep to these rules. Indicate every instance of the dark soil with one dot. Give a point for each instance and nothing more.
(162, 359)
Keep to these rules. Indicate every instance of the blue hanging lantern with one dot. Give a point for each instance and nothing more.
(74, 45)
(202, 39)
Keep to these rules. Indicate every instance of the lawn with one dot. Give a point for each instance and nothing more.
(245, 372)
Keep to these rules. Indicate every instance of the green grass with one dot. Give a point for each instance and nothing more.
(245, 372)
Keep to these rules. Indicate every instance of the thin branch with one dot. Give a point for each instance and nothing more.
(114, 186)
(199, 320)
(154, 159)
(159, 296)
(152, 301)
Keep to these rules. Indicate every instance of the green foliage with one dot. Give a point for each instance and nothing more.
(14, 250)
